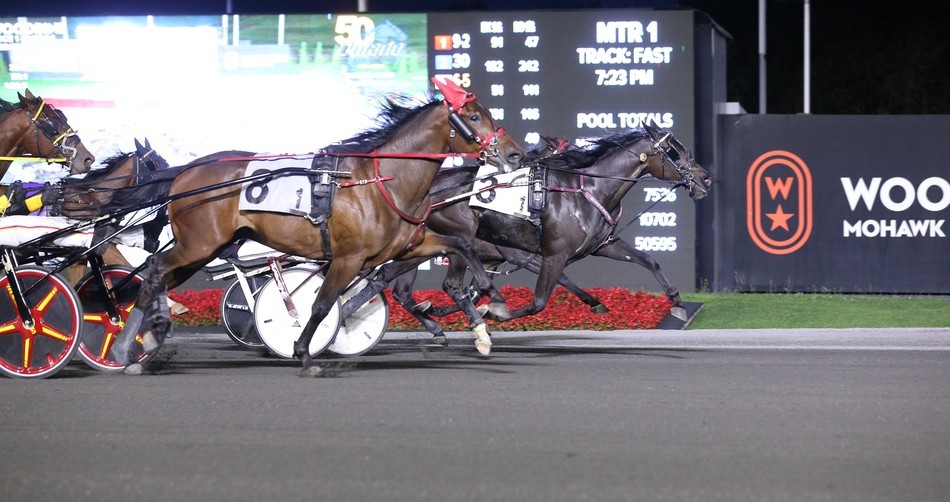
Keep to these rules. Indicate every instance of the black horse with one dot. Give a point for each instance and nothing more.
(585, 188)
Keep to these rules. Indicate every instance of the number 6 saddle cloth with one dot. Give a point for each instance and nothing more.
(299, 186)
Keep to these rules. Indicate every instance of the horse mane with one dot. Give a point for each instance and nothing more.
(395, 113)
(598, 149)
(98, 174)
(142, 195)
(534, 154)
(7, 106)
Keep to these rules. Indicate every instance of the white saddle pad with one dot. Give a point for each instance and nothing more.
(285, 194)
(16, 230)
(512, 200)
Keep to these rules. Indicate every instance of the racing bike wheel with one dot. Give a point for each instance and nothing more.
(100, 332)
(363, 329)
(42, 347)
(236, 314)
(280, 328)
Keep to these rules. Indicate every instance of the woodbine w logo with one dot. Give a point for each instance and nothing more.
(779, 202)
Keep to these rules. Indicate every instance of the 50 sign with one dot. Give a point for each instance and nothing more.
(354, 30)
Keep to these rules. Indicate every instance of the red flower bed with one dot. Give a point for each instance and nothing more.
(628, 310)
(204, 307)
(564, 311)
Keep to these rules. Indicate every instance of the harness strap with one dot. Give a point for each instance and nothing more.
(406, 216)
(48, 160)
(55, 141)
(590, 198)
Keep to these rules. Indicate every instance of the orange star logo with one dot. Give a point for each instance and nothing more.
(779, 218)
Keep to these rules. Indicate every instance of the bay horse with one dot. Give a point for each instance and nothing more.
(378, 215)
(34, 127)
(80, 198)
(585, 188)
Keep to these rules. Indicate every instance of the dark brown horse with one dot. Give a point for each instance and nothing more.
(81, 198)
(34, 127)
(585, 188)
(379, 207)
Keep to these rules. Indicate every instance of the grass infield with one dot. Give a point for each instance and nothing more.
(797, 310)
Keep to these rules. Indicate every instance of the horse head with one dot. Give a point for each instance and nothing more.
(53, 137)
(82, 197)
(670, 160)
(475, 125)
(152, 160)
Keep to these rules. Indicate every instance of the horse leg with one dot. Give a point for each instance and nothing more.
(622, 251)
(490, 254)
(402, 293)
(342, 271)
(534, 266)
(75, 272)
(552, 266)
(147, 304)
(490, 258)
(162, 271)
(434, 244)
(112, 256)
(402, 275)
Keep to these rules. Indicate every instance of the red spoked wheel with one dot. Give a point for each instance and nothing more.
(100, 332)
(42, 347)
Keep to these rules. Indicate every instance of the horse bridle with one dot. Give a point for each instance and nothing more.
(684, 169)
(489, 145)
(49, 130)
(137, 177)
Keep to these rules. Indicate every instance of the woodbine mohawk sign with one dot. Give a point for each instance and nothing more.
(841, 203)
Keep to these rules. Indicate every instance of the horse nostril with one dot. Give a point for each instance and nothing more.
(514, 158)
(707, 181)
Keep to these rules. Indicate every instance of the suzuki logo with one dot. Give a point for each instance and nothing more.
(779, 202)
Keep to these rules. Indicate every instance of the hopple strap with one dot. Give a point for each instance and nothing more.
(321, 196)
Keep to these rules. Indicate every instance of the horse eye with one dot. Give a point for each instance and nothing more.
(48, 128)
(475, 117)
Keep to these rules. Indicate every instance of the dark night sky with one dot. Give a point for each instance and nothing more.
(126, 7)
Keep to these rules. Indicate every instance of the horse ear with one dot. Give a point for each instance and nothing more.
(650, 130)
(29, 95)
(138, 146)
(147, 145)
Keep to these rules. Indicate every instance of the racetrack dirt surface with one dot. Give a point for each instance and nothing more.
(639, 415)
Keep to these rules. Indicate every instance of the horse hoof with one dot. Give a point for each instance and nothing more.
(599, 309)
(134, 369)
(482, 340)
(482, 309)
(311, 371)
(179, 309)
(440, 340)
(679, 313)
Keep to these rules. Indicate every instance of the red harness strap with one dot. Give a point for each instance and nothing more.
(590, 198)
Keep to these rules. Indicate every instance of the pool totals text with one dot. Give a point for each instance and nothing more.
(573, 74)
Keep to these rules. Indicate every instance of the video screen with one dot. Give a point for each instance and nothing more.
(194, 85)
